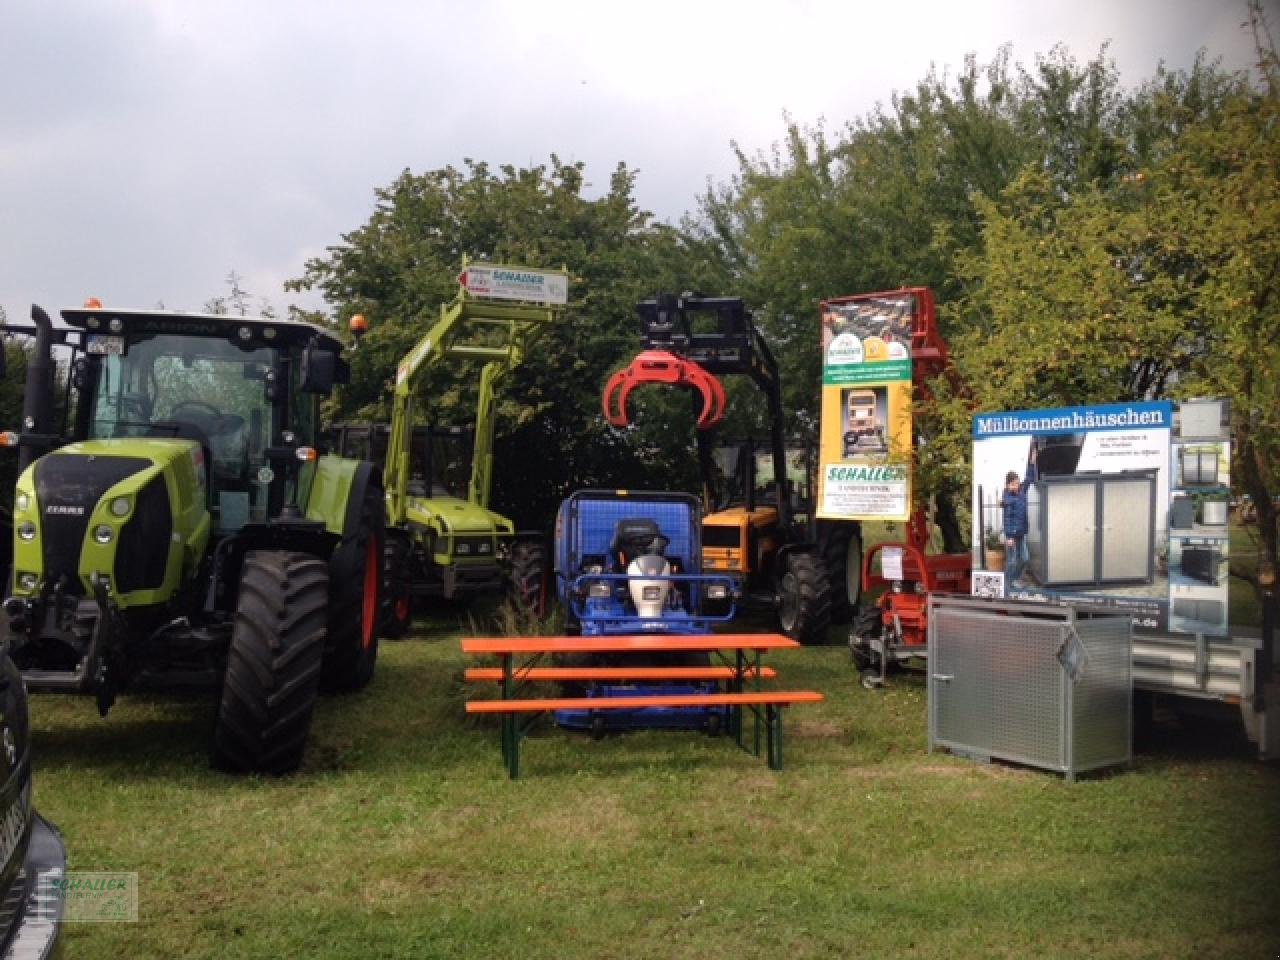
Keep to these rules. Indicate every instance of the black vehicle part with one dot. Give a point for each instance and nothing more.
(355, 594)
(68, 488)
(804, 598)
(842, 556)
(397, 588)
(273, 667)
(140, 560)
(529, 576)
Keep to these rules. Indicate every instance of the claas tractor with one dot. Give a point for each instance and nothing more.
(628, 562)
(443, 541)
(176, 525)
(758, 523)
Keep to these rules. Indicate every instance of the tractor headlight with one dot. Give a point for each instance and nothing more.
(27, 531)
(717, 591)
(103, 533)
(652, 591)
(28, 581)
(115, 325)
(120, 507)
(22, 501)
(462, 549)
(600, 591)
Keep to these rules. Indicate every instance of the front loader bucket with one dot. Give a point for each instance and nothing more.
(663, 367)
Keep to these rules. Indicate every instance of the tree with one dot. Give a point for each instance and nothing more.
(401, 265)
(1165, 283)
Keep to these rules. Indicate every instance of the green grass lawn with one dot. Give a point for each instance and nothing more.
(403, 837)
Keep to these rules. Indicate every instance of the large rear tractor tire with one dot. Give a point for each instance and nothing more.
(842, 556)
(528, 577)
(355, 602)
(804, 598)
(273, 666)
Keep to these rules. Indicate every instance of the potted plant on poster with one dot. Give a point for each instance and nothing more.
(993, 543)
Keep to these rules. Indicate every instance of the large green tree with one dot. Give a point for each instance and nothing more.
(1164, 282)
(398, 268)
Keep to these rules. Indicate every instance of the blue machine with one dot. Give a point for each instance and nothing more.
(622, 566)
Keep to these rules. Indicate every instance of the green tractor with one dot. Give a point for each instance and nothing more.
(180, 529)
(443, 541)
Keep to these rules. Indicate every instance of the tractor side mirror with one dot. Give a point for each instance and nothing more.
(319, 369)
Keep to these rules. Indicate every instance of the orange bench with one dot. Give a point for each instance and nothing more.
(765, 705)
(618, 674)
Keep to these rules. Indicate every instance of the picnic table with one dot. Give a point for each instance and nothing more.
(738, 654)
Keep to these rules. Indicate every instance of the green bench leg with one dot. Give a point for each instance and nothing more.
(773, 723)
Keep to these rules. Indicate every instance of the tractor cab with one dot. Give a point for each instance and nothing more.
(239, 389)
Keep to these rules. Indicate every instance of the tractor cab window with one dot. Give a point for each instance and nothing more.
(198, 388)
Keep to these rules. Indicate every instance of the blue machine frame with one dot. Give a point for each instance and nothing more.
(595, 592)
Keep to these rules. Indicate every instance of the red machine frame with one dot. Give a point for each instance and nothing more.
(898, 628)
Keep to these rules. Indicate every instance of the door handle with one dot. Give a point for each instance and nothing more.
(944, 676)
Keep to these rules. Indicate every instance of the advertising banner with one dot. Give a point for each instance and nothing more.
(866, 407)
(1098, 505)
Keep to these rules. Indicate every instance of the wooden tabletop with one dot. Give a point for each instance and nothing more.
(641, 643)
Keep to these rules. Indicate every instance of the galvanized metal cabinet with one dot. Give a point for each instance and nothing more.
(1093, 529)
(1042, 685)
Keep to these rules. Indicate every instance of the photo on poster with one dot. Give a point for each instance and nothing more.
(866, 420)
(1070, 505)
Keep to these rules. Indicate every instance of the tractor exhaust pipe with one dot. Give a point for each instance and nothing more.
(37, 400)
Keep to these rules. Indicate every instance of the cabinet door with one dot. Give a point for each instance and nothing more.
(1070, 527)
(960, 680)
(1127, 529)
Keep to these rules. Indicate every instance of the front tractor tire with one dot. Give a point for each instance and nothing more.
(273, 667)
(528, 578)
(355, 602)
(804, 598)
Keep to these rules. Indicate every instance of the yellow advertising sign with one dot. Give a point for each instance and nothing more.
(866, 436)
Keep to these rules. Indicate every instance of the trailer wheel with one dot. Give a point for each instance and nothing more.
(273, 666)
(804, 598)
(355, 602)
(528, 576)
(842, 555)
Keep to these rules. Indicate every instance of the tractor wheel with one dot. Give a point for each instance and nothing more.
(397, 613)
(273, 666)
(355, 602)
(528, 576)
(804, 598)
(842, 556)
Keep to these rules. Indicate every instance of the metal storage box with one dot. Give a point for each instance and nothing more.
(1199, 468)
(1202, 563)
(1182, 514)
(1202, 610)
(1047, 686)
(1093, 528)
(1203, 419)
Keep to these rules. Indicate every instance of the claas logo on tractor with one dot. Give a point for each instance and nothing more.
(663, 367)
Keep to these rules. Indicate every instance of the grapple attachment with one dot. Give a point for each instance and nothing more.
(663, 367)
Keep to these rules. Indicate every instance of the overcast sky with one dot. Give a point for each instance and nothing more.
(149, 147)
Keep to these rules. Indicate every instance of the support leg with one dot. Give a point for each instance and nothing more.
(773, 714)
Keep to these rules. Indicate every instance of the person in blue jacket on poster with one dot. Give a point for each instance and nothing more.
(1013, 504)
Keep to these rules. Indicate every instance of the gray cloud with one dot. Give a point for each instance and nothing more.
(148, 147)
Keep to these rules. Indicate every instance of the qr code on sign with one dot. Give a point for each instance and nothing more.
(988, 584)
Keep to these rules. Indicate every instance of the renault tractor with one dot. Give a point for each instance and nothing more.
(176, 525)
(758, 523)
(443, 541)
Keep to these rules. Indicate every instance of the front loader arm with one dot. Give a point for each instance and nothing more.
(469, 328)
